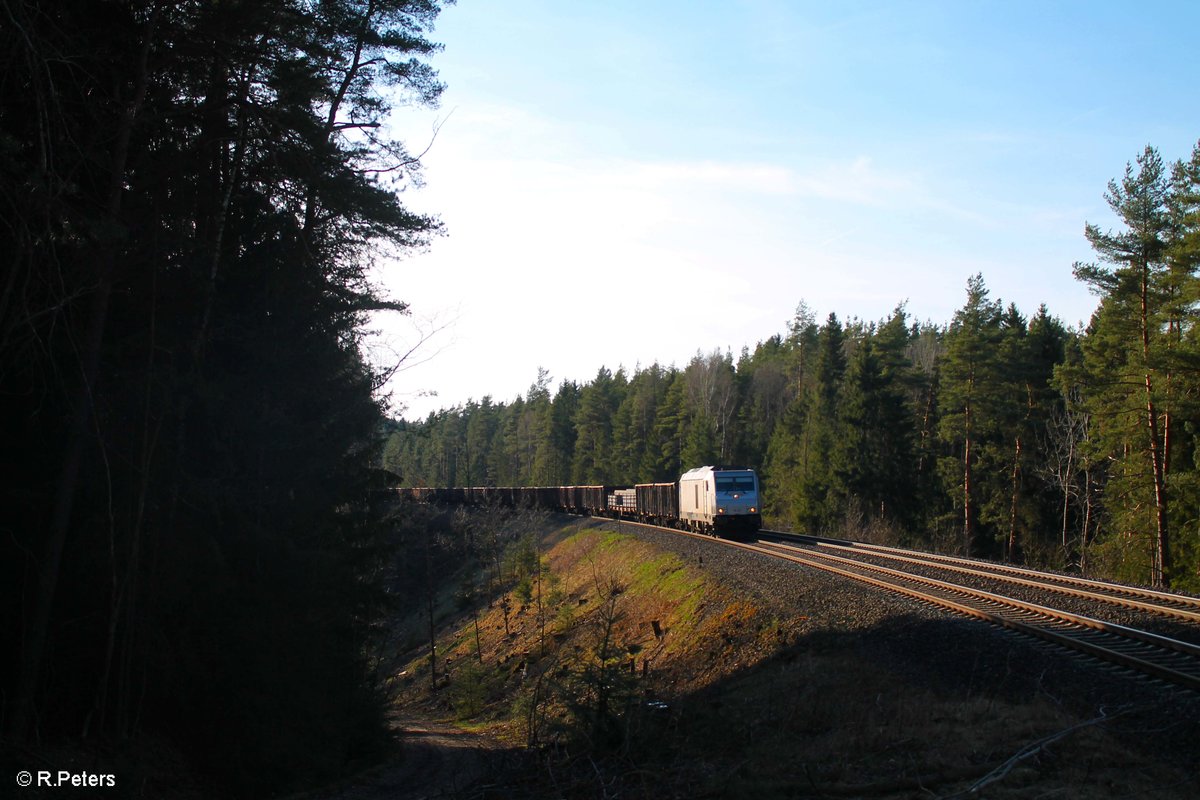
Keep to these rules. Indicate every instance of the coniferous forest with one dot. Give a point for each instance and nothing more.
(193, 564)
(1002, 434)
(191, 196)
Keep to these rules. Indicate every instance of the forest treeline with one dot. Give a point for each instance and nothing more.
(998, 434)
(191, 197)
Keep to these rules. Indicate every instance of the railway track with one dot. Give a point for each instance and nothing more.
(1169, 658)
(1150, 601)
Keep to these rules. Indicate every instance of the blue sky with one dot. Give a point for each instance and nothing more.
(624, 183)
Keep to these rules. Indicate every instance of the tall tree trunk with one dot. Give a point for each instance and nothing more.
(429, 603)
(1012, 509)
(1066, 504)
(1085, 530)
(1160, 571)
(311, 199)
(123, 611)
(1161, 567)
(968, 528)
(968, 509)
(83, 410)
(926, 419)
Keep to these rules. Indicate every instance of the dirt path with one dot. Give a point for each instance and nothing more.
(437, 760)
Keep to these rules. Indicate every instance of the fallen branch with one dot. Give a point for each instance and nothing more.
(1031, 750)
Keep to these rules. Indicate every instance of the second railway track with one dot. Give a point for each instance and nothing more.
(1150, 601)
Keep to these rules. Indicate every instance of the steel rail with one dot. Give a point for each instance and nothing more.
(1179, 605)
(1003, 573)
(1087, 624)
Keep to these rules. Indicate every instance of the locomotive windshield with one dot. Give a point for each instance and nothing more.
(735, 483)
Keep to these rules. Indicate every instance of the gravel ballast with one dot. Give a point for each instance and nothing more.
(937, 651)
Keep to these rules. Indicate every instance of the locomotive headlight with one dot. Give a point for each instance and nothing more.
(720, 511)
(753, 509)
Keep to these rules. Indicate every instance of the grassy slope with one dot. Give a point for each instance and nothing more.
(755, 704)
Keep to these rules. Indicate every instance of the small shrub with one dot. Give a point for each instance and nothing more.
(471, 687)
(524, 589)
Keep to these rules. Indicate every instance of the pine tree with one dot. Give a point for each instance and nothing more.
(873, 458)
(820, 500)
(637, 445)
(671, 431)
(193, 197)
(1034, 511)
(763, 385)
(598, 402)
(563, 434)
(483, 425)
(787, 446)
(969, 389)
(1126, 348)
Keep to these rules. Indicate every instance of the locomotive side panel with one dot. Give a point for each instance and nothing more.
(696, 491)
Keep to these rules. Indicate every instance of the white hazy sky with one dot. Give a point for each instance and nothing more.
(629, 182)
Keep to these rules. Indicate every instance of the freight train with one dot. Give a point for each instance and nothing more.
(717, 500)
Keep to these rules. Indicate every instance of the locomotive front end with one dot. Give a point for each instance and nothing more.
(725, 501)
(738, 502)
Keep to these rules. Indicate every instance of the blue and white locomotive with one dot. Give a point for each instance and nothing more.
(720, 500)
